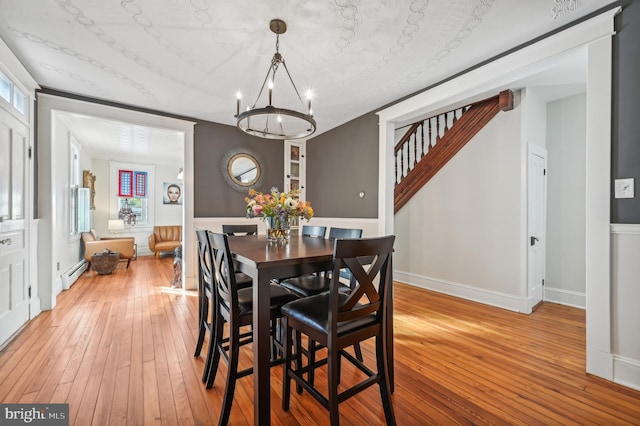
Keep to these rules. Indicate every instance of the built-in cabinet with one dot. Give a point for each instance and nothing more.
(295, 170)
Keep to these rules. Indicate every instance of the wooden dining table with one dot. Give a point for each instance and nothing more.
(264, 261)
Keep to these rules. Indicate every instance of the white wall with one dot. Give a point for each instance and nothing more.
(565, 261)
(535, 115)
(460, 234)
(100, 216)
(166, 214)
(67, 250)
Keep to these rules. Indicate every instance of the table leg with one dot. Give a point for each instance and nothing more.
(262, 350)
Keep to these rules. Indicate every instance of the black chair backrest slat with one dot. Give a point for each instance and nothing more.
(314, 231)
(240, 229)
(225, 277)
(205, 271)
(344, 233)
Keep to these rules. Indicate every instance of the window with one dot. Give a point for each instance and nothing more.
(132, 195)
(5, 88)
(19, 101)
(14, 96)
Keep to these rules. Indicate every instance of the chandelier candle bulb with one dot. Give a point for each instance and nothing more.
(270, 91)
(238, 98)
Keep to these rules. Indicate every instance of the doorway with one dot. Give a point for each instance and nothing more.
(137, 122)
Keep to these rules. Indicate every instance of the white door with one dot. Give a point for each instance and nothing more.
(537, 201)
(14, 291)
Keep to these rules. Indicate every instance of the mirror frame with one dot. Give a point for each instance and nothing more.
(232, 175)
(242, 153)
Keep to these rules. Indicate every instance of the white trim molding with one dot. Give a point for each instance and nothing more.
(625, 228)
(565, 297)
(626, 371)
(465, 291)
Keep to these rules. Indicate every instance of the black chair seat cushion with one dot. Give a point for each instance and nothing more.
(310, 285)
(314, 311)
(279, 296)
(243, 280)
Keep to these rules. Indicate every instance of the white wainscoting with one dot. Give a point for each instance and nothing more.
(625, 297)
(369, 226)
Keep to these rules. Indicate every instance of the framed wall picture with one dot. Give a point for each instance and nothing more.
(172, 193)
(89, 181)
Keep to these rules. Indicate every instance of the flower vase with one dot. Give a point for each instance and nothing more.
(277, 231)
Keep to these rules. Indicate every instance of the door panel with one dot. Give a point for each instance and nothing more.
(537, 195)
(14, 287)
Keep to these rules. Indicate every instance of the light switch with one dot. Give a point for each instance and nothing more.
(624, 188)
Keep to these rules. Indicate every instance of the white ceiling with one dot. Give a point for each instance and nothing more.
(190, 57)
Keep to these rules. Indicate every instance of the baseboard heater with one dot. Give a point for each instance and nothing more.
(70, 277)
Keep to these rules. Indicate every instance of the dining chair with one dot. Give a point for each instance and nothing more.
(311, 232)
(242, 279)
(240, 229)
(310, 285)
(337, 320)
(234, 306)
(206, 295)
(206, 299)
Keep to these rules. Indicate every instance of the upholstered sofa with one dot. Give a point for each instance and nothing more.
(165, 238)
(93, 243)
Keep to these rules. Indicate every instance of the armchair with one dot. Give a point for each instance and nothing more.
(93, 243)
(165, 238)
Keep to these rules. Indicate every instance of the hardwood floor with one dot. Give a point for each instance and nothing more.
(119, 350)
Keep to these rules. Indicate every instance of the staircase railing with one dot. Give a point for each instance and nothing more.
(429, 144)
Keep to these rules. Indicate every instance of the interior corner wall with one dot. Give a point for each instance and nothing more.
(213, 197)
(460, 234)
(566, 148)
(342, 163)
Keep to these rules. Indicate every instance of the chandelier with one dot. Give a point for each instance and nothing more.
(272, 122)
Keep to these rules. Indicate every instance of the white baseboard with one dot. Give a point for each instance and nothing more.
(70, 276)
(464, 291)
(565, 297)
(626, 372)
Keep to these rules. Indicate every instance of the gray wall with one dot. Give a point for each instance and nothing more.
(625, 157)
(341, 163)
(212, 141)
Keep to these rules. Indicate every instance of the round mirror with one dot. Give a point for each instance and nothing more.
(244, 170)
